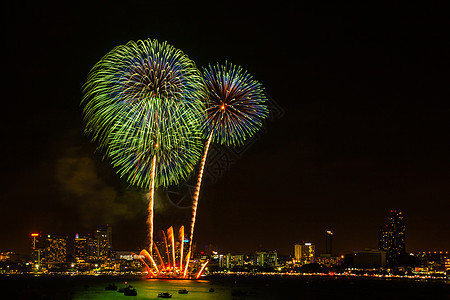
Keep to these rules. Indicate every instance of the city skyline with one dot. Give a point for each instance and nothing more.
(363, 129)
(56, 253)
(391, 239)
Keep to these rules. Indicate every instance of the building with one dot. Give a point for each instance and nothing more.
(266, 258)
(229, 261)
(92, 252)
(304, 253)
(104, 242)
(6, 256)
(369, 258)
(37, 249)
(91, 248)
(48, 249)
(81, 249)
(391, 238)
(128, 261)
(327, 260)
(434, 261)
(56, 250)
(128, 255)
(329, 243)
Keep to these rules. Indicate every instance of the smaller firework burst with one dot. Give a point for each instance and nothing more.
(236, 106)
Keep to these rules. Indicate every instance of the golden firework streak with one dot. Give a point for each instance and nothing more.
(147, 255)
(181, 237)
(160, 258)
(201, 270)
(197, 190)
(172, 242)
(151, 195)
(188, 257)
(167, 250)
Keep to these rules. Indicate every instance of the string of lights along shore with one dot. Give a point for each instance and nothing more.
(152, 113)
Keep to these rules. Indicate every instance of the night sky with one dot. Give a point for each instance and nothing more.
(363, 125)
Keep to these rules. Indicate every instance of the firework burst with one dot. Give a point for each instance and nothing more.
(236, 104)
(236, 108)
(144, 99)
(143, 106)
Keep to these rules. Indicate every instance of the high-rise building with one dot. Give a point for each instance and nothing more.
(329, 243)
(92, 252)
(56, 250)
(391, 238)
(81, 248)
(104, 240)
(304, 253)
(266, 258)
(229, 261)
(37, 248)
(91, 248)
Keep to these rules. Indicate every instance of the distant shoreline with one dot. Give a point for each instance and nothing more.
(250, 276)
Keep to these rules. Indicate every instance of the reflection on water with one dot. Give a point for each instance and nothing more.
(86, 287)
(149, 289)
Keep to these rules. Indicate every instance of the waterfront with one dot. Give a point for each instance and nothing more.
(266, 287)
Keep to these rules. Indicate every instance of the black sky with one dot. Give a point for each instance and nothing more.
(364, 90)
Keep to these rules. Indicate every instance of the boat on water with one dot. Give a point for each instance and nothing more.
(183, 291)
(111, 287)
(164, 295)
(130, 291)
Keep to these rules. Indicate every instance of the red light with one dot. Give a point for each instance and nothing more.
(35, 234)
(202, 252)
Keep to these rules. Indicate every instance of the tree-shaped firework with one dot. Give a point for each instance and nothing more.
(236, 108)
(143, 105)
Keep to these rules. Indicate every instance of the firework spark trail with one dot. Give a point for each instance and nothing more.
(201, 270)
(188, 258)
(197, 190)
(172, 242)
(167, 250)
(160, 258)
(147, 255)
(151, 195)
(143, 261)
(181, 237)
(167, 270)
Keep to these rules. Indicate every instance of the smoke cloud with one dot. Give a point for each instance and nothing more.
(95, 197)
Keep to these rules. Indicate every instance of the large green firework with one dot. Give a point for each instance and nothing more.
(141, 100)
